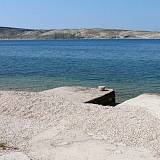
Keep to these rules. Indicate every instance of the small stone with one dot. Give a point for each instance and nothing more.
(102, 88)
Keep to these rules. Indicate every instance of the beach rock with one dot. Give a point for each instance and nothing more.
(101, 95)
(102, 88)
(149, 102)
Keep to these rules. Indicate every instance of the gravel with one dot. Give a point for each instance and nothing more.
(30, 121)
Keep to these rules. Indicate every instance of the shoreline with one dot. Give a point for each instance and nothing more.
(77, 39)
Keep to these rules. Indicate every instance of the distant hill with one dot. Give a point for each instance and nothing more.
(20, 33)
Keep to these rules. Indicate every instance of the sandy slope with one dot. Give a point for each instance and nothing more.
(46, 126)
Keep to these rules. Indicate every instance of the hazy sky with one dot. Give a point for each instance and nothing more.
(125, 14)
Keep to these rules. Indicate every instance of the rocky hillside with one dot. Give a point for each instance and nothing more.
(19, 33)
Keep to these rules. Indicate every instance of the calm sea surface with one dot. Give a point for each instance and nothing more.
(131, 67)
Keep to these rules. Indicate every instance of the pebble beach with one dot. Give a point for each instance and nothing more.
(46, 126)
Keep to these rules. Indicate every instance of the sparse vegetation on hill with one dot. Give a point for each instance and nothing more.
(19, 33)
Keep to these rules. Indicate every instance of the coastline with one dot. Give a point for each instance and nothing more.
(76, 39)
(90, 33)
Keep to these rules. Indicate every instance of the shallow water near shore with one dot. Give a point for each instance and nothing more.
(131, 67)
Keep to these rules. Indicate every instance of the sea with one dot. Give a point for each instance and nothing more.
(130, 67)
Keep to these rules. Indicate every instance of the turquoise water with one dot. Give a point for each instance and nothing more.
(131, 67)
